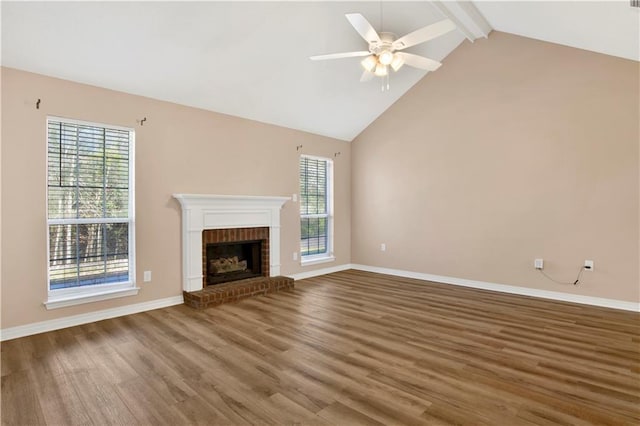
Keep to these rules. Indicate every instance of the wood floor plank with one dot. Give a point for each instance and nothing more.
(20, 402)
(157, 373)
(340, 414)
(147, 405)
(347, 348)
(197, 411)
(14, 358)
(57, 396)
(296, 411)
(100, 398)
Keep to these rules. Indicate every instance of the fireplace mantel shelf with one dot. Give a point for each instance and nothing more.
(204, 211)
(229, 201)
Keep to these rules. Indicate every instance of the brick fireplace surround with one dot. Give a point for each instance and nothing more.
(222, 218)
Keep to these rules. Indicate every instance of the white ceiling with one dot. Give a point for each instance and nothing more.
(245, 59)
(611, 27)
(251, 59)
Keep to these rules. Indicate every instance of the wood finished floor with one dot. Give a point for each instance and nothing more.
(347, 348)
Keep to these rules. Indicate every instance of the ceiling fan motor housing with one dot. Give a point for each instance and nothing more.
(386, 41)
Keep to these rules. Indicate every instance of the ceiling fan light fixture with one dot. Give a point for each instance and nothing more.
(397, 62)
(385, 57)
(381, 70)
(369, 63)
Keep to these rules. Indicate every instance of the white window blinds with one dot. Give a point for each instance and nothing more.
(89, 204)
(315, 215)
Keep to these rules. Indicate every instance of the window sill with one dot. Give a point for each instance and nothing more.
(317, 260)
(56, 302)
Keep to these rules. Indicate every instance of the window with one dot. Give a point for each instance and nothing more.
(316, 213)
(90, 212)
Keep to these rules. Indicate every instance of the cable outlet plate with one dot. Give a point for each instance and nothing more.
(538, 264)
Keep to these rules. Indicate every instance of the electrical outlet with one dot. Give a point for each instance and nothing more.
(588, 265)
(538, 264)
(383, 247)
(295, 255)
(147, 276)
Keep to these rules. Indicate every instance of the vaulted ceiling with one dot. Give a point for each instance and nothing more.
(251, 59)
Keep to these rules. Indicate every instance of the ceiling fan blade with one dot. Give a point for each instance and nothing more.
(366, 76)
(339, 55)
(419, 61)
(363, 27)
(424, 34)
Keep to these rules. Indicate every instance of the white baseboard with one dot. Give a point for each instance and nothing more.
(58, 323)
(318, 272)
(503, 288)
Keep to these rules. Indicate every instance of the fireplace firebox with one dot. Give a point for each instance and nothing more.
(232, 254)
(232, 261)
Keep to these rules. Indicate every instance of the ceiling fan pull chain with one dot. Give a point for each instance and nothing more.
(385, 83)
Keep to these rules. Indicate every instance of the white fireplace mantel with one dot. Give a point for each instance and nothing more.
(202, 211)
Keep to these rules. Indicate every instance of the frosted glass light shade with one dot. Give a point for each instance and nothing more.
(385, 57)
(369, 63)
(381, 70)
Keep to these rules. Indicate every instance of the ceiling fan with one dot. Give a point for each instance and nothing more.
(384, 47)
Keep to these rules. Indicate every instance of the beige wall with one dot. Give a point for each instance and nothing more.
(178, 150)
(515, 149)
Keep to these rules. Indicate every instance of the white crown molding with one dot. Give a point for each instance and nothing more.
(58, 323)
(205, 211)
(503, 288)
(467, 18)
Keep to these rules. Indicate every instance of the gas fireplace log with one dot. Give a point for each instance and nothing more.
(225, 265)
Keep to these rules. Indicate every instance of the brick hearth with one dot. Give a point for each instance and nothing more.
(231, 292)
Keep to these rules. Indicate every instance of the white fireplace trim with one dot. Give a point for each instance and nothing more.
(203, 211)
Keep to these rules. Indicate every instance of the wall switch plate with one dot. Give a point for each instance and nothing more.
(588, 265)
(295, 255)
(147, 276)
(538, 264)
(383, 247)
(294, 197)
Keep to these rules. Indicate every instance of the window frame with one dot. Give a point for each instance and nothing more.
(327, 256)
(59, 298)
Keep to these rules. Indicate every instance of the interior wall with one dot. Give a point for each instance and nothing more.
(515, 149)
(178, 150)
